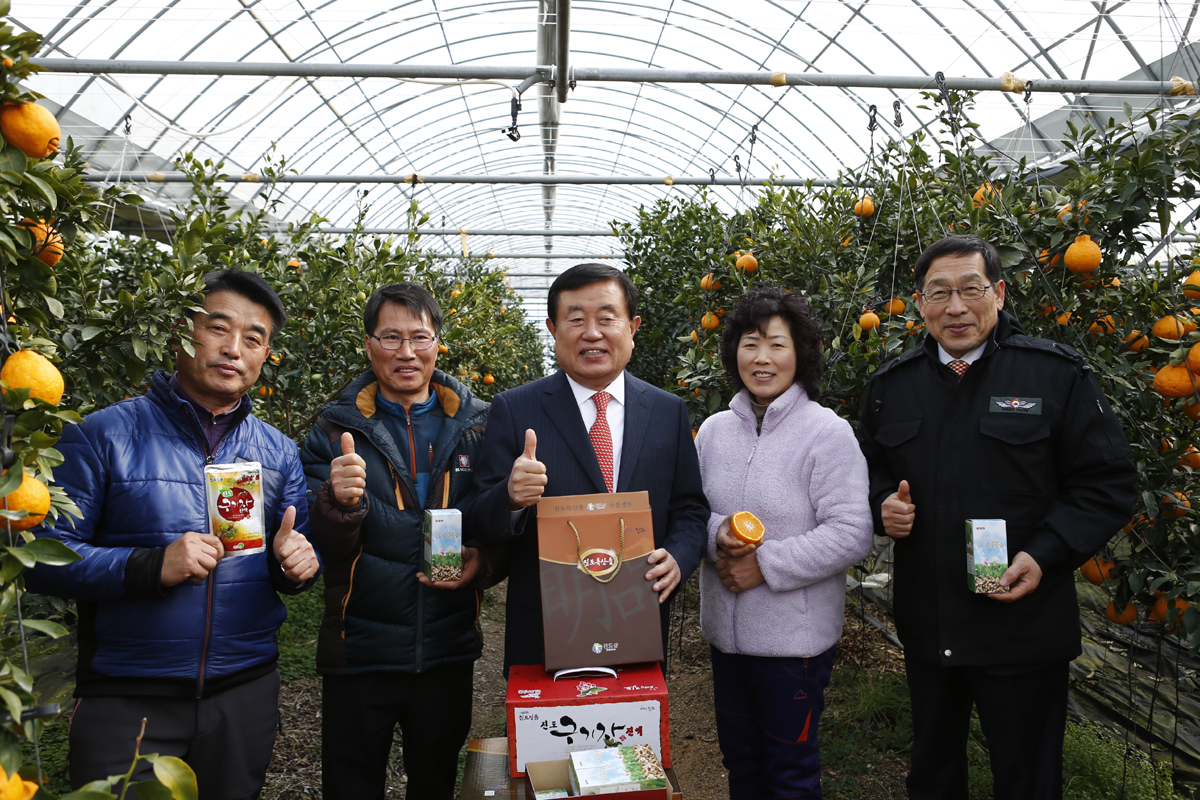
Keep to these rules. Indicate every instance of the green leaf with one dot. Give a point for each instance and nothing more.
(56, 307)
(177, 776)
(10, 482)
(90, 332)
(51, 629)
(151, 790)
(11, 702)
(96, 790)
(18, 553)
(42, 188)
(51, 551)
(139, 347)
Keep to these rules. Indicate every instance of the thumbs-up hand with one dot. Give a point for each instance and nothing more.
(293, 551)
(898, 512)
(348, 474)
(527, 480)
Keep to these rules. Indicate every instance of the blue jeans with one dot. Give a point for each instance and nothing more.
(768, 709)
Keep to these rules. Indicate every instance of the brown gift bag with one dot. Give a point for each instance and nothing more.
(598, 609)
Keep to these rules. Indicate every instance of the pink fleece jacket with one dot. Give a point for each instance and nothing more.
(806, 479)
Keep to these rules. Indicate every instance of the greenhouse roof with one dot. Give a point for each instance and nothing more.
(657, 93)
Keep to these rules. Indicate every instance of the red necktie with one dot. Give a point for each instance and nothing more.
(958, 366)
(601, 438)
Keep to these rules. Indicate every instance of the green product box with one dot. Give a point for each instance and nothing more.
(442, 559)
(987, 555)
(616, 769)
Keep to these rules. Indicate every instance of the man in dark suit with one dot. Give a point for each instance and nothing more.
(589, 428)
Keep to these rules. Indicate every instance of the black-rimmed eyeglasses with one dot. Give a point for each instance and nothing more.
(969, 291)
(391, 341)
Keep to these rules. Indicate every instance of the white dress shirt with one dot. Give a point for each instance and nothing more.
(615, 414)
(970, 356)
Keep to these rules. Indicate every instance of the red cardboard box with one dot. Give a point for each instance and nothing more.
(547, 720)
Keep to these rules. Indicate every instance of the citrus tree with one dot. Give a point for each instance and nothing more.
(1074, 251)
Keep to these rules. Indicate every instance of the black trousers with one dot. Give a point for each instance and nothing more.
(1023, 712)
(226, 739)
(359, 717)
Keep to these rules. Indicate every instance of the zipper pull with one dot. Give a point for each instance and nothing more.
(431, 456)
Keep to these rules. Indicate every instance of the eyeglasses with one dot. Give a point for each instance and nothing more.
(390, 341)
(970, 291)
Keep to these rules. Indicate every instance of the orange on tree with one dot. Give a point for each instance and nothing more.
(709, 321)
(869, 321)
(695, 337)
(894, 306)
(1166, 446)
(1069, 208)
(1161, 609)
(1192, 409)
(1175, 506)
(1097, 569)
(1046, 260)
(47, 242)
(1190, 458)
(1137, 341)
(1103, 326)
(746, 263)
(746, 527)
(294, 263)
(264, 391)
(864, 208)
(1126, 616)
(710, 283)
(1173, 326)
(1083, 255)
(489, 379)
(30, 128)
(26, 369)
(31, 496)
(1174, 381)
(443, 349)
(14, 787)
(984, 194)
(1191, 285)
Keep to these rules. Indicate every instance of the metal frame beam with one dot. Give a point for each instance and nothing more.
(583, 74)
(417, 179)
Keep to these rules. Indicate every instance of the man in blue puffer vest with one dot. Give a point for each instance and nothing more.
(170, 631)
(394, 647)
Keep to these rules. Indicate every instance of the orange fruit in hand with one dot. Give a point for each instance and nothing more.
(30, 128)
(31, 496)
(746, 527)
(26, 369)
(1128, 616)
(1097, 570)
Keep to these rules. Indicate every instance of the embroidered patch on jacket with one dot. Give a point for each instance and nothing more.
(464, 463)
(1016, 405)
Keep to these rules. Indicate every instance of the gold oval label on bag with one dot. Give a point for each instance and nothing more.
(598, 562)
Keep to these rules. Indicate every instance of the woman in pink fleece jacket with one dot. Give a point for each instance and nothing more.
(773, 611)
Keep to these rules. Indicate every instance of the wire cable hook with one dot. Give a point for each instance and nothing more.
(511, 132)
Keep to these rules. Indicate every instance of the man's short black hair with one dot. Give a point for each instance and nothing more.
(582, 275)
(754, 312)
(251, 286)
(416, 299)
(955, 246)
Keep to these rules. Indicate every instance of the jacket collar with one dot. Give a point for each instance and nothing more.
(160, 391)
(779, 408)
(455, 399)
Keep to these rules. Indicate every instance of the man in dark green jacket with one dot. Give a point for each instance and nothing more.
(985, 422)
(395, 648)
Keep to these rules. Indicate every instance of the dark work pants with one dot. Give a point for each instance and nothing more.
(767, 715)
(226, 739)
(360, 714)
(1023, 712)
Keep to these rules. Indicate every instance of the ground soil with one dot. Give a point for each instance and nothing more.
(295, 772)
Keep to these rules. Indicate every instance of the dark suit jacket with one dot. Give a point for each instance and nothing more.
(657, 456)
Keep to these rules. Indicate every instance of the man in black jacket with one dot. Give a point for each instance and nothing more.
(985, 422)
(395, 648)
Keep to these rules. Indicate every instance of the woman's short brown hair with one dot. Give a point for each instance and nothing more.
(754, 312)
